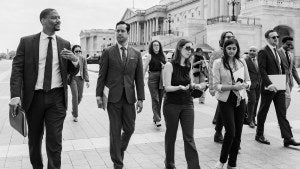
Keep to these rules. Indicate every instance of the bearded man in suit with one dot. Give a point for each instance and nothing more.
(288, 63)
(121, 71)
(270, 64)
(39, 81)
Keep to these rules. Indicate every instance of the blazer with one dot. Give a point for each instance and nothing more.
(215, 55)
(253, 73)
(222, 76)
(267, 66)
(83, 69)
(290, 69)
(119, 77)
(25, 69)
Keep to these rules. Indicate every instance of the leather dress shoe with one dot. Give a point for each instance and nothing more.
(262, 140)
(251, 125)
(290, 142)
(218, 137)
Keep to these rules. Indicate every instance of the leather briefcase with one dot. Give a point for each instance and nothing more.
(18, 122)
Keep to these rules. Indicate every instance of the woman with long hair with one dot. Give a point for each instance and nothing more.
(178, 105)
(155, 60)
(230, 81)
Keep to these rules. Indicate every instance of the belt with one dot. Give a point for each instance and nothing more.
(49, 91)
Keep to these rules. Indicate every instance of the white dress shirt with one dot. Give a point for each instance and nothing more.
(272, 49)
(56, 80)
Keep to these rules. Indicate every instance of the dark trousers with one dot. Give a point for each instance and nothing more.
(46, 109)
(156, 92)
(253, 98)
(174, 113)
(218, 118)
(278, 99)
(233, 118)
(76, 86)
(121, 117)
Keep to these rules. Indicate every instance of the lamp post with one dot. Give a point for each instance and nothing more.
(169, 20)
(233, 3)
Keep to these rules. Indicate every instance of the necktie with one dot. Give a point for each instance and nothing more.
(255, 63)
(288, 57)
(123, 55)
(48, 67)
(277, 60)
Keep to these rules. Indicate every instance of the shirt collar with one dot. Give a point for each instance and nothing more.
(119, 46)
(45, 36)
(271, 47)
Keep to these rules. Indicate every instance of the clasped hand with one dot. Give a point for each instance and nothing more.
(201, 86)
(240, 86)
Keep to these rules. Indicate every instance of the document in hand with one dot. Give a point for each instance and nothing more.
(18, 122)
(105, 97)
(279, 81)
(239, 74)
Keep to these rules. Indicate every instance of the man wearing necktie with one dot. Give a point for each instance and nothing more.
(288, 63)
(270, 64)
(254, 92)
(38, 84)
(121, 70)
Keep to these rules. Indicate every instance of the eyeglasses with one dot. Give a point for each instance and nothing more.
(77, 51)
(274, 37)
(188, 48)
(252, 50)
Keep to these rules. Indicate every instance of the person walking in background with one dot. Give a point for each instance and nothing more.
(39, 77)
(155, 60)
(254, 92)
(200, 70)
(218, 137)
(121, 71)
(270, 64)
(231, 94)
(288, 63)
(77, 81)
(178, 105)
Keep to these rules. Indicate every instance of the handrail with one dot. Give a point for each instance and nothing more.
(228, 19)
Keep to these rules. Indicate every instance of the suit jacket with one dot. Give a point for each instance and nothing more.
(290, 69)
(253, 73)
(118, 77)
(83, 69)
(25, 68)
(267, 66)
(214, 55)
(222, 76)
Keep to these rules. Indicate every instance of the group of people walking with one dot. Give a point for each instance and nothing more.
(45, 64)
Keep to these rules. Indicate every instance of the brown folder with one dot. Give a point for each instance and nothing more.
(18, 122)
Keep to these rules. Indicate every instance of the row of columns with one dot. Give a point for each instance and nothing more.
(143, 31)
(218, 8)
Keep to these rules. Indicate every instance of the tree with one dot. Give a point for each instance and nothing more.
(3, 56)
(11, 54)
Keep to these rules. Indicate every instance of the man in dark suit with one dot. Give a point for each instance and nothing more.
(121, 68)
(288, 62)
(39, 81)
(254, 92)
(271, 64)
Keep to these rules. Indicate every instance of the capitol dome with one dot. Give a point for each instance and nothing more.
(164, 2)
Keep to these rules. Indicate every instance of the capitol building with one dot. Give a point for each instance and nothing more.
(203, 21)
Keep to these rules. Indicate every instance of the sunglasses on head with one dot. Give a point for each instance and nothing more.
(252, 50)
(188, 48)
(229, 37)
(77, 51)
(274, 37)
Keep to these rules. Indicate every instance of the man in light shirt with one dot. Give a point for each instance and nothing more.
(38, 84)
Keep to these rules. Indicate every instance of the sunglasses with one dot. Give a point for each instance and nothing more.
(77, 51)
(188, 48)
(252, 50)
(274, 37)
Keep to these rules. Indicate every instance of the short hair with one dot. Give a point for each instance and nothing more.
(127, 25)
(75, 46)
(45, 13)
(222, 38)
(199, 50)
(287, 38)
(268, 32)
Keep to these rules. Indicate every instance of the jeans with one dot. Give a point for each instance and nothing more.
(76, 86)
(233, 118)
(174, 113)
(156, 92)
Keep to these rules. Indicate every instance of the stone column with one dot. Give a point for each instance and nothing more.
(157, 24)
(145, 26)
(217, 8)
(222, 7)
(202, 9)
(138, 32)
(212, 8)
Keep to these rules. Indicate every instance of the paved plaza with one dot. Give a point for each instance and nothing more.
(86, 143)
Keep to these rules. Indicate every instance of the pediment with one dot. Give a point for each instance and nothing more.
(129, 13)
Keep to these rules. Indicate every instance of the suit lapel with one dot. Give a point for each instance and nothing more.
(36, 50)
(251, 64)
(118, 55)
(59, 49)
(272, 56)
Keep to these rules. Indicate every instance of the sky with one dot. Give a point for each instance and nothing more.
(20, 18)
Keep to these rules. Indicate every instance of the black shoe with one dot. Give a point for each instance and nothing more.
(251, 125)
(218, 137)
(290, 142)
(262, 140)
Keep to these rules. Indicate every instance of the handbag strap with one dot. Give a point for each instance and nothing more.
(231, 74)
